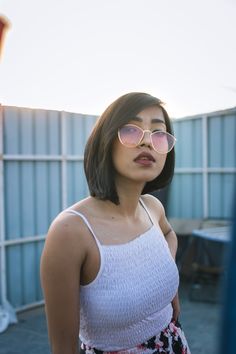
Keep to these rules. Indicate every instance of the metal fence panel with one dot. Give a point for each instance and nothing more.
(205, 171)
(186, 196)
(41, 173)
(11, 137)
(42, 156)
(76, 185)
(76, 136)
(221, 187)
(189, 143)
(222, 133)
(32, 197)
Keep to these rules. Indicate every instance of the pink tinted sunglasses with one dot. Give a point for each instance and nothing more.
(131, 135)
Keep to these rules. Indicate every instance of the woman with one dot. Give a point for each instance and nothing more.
(107, 269)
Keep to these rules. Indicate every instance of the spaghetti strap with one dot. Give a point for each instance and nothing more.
(86, 222)
(147, 211)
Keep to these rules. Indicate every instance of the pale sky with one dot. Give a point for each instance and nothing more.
(80, 55)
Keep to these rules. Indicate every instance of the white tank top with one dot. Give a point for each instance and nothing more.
(129, 301)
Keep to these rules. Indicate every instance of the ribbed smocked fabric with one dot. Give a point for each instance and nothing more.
(130, 299)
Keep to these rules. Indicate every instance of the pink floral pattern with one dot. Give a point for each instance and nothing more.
(170, 341)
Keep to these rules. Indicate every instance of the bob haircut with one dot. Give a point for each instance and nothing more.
(98, 164)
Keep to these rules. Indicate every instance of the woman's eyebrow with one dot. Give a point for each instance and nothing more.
(154, 120)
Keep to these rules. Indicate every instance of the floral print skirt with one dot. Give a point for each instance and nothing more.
(170, 341)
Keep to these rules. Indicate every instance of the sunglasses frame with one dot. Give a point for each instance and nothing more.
(143, 133)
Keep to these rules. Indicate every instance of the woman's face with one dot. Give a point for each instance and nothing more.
(141, 163)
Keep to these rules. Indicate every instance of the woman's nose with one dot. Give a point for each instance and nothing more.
(146, 140)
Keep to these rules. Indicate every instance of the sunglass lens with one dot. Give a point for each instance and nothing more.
(162, 142)
(130, 135)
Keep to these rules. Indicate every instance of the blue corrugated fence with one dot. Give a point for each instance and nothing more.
(41, 173)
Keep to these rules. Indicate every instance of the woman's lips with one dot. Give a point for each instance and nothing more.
(144, 159)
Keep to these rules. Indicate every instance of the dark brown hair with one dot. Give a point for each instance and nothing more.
(98, 164)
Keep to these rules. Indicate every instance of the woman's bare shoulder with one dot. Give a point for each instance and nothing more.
(152, 203)
(68, 229)
(69, 220)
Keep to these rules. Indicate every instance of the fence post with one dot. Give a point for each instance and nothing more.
(64, 160)
(205, 166)
(7, 313)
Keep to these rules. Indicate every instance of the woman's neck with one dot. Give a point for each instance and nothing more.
(129, 195)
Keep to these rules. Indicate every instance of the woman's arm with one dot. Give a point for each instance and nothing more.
(158, 214)
(61, 262)
(171, 240)
(169, 233)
